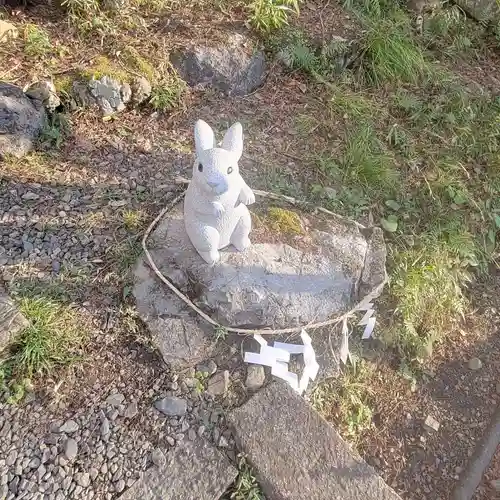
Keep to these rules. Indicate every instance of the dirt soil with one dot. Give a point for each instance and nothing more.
(422, 464)
(136, 158)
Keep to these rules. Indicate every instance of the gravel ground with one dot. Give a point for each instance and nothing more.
(98, 445)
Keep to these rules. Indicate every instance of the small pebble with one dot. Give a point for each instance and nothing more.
(475, 364)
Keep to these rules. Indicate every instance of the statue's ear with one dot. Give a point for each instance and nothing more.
(233, 140)
(203, 137)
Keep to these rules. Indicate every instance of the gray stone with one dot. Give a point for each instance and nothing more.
(484, 11)
(115, 399)
(207, 368)
(14, 484)
(11, 320)
(21, 120)
(233, 67)
(69, 427)
(293, 450)
(120, 485)
(268, 285)
(223, 443)
(141, 90)
(158, 457)
(105, 429)
(126, 92)
(475, 364)
(45, 92)
(70, 449)
(30, 196)
(11, 458)
(193, 470)
(107, 93)
(217, 384)
(93, 472)
(181, 343)
(82, 96)
(131, 410)
(172, 406)
(256, 376)
(82, 479)
(431, 424)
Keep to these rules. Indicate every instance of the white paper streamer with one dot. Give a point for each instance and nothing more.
(344, 344)
(277, 358)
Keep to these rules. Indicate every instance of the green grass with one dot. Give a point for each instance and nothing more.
(133, 220)
(428, 287)
(450, 32)
(53, 339)
(124, 255)
(270, 15)
(390, 54)
(420, 154)
(297, 51)
(348, 400)
(245, 487)
(168, 93)
(36, 41)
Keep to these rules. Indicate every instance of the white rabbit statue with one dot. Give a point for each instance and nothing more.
(215, 212)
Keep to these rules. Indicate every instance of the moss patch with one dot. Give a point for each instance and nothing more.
(102, 66)
(284, 221)
(137, 62)
(63, 84)
(132, 65)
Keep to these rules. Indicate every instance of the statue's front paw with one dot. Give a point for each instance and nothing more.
(241, 244)
(211, 258)
(218, 209)
(247, 197)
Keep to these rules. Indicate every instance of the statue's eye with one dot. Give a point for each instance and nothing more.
(230, 170)
(200, 167)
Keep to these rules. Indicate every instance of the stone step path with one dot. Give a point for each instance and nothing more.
(194, 470)
(296, 454)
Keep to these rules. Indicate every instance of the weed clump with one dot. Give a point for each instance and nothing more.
(269, 15)
(36, 41)
(427, 285)
(391, 55)
(348, 400)
(53, 338)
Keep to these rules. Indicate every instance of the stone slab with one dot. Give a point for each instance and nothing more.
(297, 454)
(182, 339)
(272, 285)
(194, 470)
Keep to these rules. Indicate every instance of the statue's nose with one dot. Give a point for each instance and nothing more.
(213, 184)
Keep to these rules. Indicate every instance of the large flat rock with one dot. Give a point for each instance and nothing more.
(271, 284)
(297, 454)
(232, 67)
(193, 470)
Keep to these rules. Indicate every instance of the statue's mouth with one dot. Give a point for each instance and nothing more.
(219, 189)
